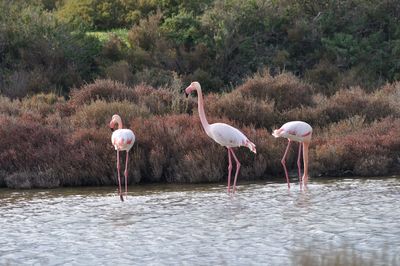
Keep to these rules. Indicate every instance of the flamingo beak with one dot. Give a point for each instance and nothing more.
(111, 126)
(188, 90)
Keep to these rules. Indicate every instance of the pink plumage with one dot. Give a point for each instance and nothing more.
(122, 139)
(222, 133)
(296, 131)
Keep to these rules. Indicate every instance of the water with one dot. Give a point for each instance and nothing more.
(263, 223)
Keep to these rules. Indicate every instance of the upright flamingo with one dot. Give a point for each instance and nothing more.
(223, 134)
(122, 139)
(296, 131)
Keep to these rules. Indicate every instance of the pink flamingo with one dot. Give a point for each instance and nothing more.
(296, 131)
(223, 134)
(122, 139)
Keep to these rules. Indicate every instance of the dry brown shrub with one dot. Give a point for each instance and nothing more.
(373, 165)
(391, 93)
(43, 104)
(91, 159)
(155, 77)
(28, 145)
(246, 111)
(346, 103)
(101, 89)
(354, 101)
(33, 179)
(98, 113)
(286, 90)
(157, 101)
(163, 100)
(120, 71)
(169, 145)
(189, 154)
(9, 107)
(374, 146)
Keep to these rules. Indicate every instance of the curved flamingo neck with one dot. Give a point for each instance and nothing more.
(200, 107)
(118, 120)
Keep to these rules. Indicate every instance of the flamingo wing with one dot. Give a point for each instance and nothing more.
(294, 130)
(227, 135)
(123, 139)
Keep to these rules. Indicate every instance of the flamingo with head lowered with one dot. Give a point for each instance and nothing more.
(223, 134)
(296, 131)
(122, 139)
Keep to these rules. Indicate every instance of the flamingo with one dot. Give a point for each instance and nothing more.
(222, 133)
(296, 131)
(122, 139)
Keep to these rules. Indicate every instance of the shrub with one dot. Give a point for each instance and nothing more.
(98, 114)
(371, 147)
(120, 71)
(42, 103)
(174, 143)
(9, 107)
(390, 93)
(157, 101)
(101, 89)
(28, 145)
(114, 48)
(342, 105)
(324, 76)
(285, 90)
(246, 111)
(90, 160)
(155, 77)
(34, 179)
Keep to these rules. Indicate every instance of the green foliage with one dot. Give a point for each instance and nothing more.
(39, 54)
(330, 43)
(182, 29)
(105, 14)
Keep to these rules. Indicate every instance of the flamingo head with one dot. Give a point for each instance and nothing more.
(279, 133)
(194, 86)
(116, 119)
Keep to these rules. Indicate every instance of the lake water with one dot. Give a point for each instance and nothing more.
(262, 224)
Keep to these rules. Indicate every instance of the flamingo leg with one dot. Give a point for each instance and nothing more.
(299, 162)
(237, 170)
(283, 161)
(229, 170)
(126, 173)
(119, 177)
(305, 159)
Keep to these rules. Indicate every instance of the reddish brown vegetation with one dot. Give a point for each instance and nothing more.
(46, 141)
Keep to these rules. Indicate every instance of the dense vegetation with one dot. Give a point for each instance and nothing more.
(67, 66)
(47, 141)
(45, 45)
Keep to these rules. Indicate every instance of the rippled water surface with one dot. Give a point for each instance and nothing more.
(263, 223)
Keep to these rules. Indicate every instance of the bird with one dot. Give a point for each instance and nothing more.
(122, 139)
(301, 132)
(222, 133)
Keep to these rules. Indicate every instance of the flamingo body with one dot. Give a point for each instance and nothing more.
(227, 136)
(296, 131)
(222, 133)
(123, 139)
